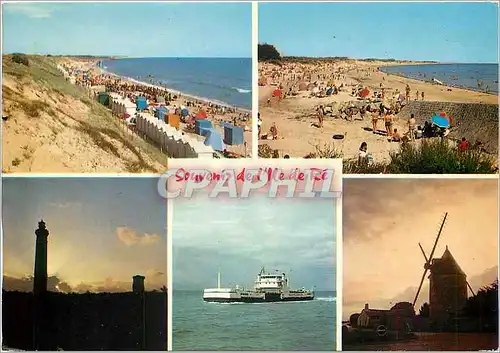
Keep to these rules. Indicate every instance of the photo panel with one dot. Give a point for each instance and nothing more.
(84, 264)
(256, 272)
(421, 100)
(420, 264)
(111, 98)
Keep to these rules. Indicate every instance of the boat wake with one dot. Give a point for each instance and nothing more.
(326, 299)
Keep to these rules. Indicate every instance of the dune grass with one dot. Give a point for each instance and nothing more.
(430, 157)
(100, 125)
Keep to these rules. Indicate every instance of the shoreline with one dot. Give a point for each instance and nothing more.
(295, 115)
(430, 82)
(174, 91)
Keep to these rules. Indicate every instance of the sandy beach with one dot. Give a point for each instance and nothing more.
(217, 112)
(294, 111)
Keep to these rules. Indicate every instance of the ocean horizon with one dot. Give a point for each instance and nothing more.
(285, 326)
(459, 75)
(225, 81)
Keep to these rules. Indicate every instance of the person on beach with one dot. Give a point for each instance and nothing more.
(417, 95)
(388, 123)
(321, 116)
(463, 145)
(396, 137)
(411, 127)
(274, 131)
(408, 90)
(363, 153)
(259, 125)
(422, 95)
(375, 116)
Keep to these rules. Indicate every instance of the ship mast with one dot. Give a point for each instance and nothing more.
(218, 279)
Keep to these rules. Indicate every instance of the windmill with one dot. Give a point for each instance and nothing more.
(430, 260)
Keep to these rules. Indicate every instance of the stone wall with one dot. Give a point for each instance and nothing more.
(474, 121)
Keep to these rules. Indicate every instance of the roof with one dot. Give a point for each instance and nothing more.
(375, 312)
(446, 265)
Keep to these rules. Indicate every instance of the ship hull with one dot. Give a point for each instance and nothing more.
(273, 299)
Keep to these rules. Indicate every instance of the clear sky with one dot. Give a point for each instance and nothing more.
(103, 231)
(445, 32)
(129, 29)
(384, 220)
(242, 235)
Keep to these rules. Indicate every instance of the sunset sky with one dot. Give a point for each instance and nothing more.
(385, 219)
(103, 231)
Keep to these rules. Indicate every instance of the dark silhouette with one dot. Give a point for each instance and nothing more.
(484, 308)
(424, 310)
(43, 320)
(267, 52)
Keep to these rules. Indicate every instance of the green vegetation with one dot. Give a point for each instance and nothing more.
(267, 52)
(430, 157)
(22, 59)
(56, 97)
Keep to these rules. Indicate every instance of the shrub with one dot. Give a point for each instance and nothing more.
(438, 157)
(20, 59)
(267, 52)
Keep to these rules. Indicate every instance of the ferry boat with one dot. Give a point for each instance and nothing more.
(268, 288)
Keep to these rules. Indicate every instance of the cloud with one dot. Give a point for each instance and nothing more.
(25, 284)
(386, 219)
(64, 204)
(31, 10)
(240, 236)
(130, 237)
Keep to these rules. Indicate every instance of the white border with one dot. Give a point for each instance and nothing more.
(255, 79)
(170, 289)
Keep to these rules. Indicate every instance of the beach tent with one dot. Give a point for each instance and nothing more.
(214, 139)
(201, 115)
(276, 93)
(233, 135)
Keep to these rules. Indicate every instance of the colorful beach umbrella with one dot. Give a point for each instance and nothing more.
(185, 112)
(276, 93)
(201, 115)
(441, 121)
(364, 93)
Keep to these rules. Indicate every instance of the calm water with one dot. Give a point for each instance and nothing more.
(225, 80)
(456, 75)
(269, 326)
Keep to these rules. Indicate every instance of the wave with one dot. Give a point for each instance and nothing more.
(241, 90)
(326, 299)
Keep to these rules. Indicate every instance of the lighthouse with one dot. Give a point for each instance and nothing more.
(40, 272)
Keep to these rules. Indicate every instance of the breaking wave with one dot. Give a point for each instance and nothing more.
(326, 299)
(241, 90)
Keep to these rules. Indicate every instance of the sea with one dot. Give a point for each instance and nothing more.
(286, 326)
(226, 81)
(454, 75)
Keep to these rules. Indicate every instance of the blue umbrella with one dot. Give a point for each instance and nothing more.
(214, 139)
(185, 112)
(440, 121)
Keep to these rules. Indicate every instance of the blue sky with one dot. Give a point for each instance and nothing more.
(129, 29)
(242, 235)
(446, 32)
(102, 230)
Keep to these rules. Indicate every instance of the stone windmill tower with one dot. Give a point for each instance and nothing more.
(447, 283)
